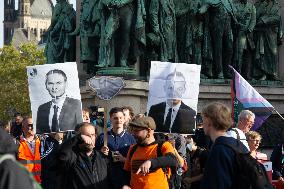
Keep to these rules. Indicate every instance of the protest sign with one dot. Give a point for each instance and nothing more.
(173, 96)
(55, 97)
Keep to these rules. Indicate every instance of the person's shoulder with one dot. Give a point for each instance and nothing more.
(227, 142)
(167, 146)
(128, 135)
(233, 132)
(12, 168)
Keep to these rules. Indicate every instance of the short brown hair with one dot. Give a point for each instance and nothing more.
(115, 110)
(131, 111)
(219, 114)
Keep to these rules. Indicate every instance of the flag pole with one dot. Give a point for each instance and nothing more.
(278, 114)
(105, 127)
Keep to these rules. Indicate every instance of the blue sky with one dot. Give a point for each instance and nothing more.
(2, 17)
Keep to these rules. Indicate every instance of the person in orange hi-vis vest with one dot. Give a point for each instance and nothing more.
(29, 149)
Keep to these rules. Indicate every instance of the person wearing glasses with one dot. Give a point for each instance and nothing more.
(29, 149)
(245, 123)
(254, 140)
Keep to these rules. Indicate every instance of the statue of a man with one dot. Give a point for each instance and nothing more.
(268, 34)
(122, 29)
(243, 37)
(163, 29)
(183, 17)
(60, 46)
(193, 37)
(89, 32)
(221, 12)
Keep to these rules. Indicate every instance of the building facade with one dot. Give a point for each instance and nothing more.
(28, 23)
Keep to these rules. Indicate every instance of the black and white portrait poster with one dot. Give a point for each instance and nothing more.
(173, 96)
(55, 97)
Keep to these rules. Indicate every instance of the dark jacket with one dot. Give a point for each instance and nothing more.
(276, 159)
(117, 142)
(77, 170)
(12, 176)
(49, 150)
(220, 165)
(70, 116)
(183, 123)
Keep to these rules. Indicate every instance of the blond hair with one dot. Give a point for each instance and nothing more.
(219, 114)
(252, 135)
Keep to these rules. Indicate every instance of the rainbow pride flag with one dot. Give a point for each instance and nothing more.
(245, 97)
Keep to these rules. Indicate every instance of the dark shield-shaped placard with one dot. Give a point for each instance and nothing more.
(106, 87)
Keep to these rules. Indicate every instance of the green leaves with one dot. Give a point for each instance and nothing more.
(13, 77)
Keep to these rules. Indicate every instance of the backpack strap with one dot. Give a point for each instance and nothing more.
(159, 148)
(236, 131)
(133, 149)
(6, 157)
(160, 154)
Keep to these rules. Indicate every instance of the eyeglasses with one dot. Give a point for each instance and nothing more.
(30, 125)
(136, 130)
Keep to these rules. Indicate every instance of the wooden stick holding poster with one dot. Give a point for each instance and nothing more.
(106, 87)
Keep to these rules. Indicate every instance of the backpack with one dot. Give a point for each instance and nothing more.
(249, 173)
(11, 157)
(175, 179)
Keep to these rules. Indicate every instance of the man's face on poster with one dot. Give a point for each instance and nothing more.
(174, 87)
(56, 85)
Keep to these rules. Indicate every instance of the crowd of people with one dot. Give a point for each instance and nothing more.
(132, 154)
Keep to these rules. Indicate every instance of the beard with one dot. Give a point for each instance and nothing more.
(86, 147)
(140, 140)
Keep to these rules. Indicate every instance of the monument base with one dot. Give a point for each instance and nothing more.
(124, 72)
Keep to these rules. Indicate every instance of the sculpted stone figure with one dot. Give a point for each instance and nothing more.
(243, 37)
(163, 29)
(89, 32)
(122, 32)
(221, 12)
(268, 34)
(60, 46)
(182, 11)
(193, 37)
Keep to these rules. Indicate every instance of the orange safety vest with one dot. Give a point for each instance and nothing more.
(29, 159)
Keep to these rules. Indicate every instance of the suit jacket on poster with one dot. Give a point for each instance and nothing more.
(183, 123)
(70, 116)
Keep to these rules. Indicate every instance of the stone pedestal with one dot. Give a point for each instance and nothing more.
(118, 71)
(135, 94)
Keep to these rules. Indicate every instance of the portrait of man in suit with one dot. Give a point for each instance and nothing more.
(61, 113)
(173, 115)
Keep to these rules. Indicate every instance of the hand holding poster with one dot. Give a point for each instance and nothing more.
(173, 96)
(55, 97)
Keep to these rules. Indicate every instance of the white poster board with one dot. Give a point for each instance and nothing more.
(55, 97)
(170, 81)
